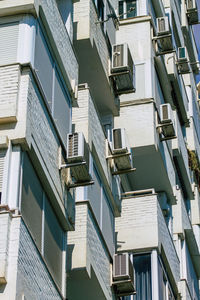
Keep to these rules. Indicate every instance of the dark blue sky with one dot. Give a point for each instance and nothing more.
(197, 35)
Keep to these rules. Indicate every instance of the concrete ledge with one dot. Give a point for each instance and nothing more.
(3, 142)
(13, 7)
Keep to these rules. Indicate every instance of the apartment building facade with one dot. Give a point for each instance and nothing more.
(99, 150)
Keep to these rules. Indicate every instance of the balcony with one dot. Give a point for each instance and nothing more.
(180, 95)
(190, 43)
(86, 119)
(151, 157)
(184, 290)
(181, 159)
(142, 227)
(195, 208)
(88, 260)
(182, 226)
(92, 51)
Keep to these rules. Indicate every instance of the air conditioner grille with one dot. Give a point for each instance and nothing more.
(190, 4)
(117, 265)
(165, 112)
(117, 138)
(73, 145)
(161, 25)
(123, 265)
(118, 56)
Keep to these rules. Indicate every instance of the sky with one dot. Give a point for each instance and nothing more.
(196, 29)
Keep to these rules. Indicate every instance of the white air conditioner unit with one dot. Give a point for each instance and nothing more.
(123, 274)
(191, 5)
(119, 140)
(164, 35)
(122, 68)
(120, 147)
(78, 156)
(183, 61)
(167, 119)
(192, 11)
(163, 27)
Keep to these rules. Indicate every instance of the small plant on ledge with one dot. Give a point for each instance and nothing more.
(194, 166)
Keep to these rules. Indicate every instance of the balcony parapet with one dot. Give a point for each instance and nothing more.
(142, 227)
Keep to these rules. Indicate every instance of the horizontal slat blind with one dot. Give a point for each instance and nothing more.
(2, 159)
(9, 42)
(32, 201)
(53, 243)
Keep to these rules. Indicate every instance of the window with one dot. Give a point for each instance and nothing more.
(142, 266)
(53, 85)
(41, 221)
(2, 161)
(165, 290)
(9, 42)
(127, 9)
(102, 210)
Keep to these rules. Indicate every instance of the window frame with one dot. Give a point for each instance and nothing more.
(124, 13)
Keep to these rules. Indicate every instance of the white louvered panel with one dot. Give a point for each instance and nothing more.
(2, 159)
(8, 42)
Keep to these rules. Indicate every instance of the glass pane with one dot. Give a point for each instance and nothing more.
(131, 9)
(32, 201)
(142, 265)
(121, 11)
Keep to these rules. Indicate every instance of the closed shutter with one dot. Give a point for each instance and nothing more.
(2, 159)
(44, 65)
(9, 42)
(32, 201)
(62, 109)
(94, 194)
(53, 243)
(108, 229)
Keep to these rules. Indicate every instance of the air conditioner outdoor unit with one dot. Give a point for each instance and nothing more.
(119, 140)
(164, 34)
(122, 68)
(78, 156)
(192, 11)
(123, 274)
(163, 27)
(167, 120)
(183, 62)
(191, 5)
(120, 146)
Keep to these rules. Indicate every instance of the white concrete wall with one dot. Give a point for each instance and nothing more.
(142, 226)
(11, 238)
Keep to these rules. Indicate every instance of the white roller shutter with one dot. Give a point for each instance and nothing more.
(9, 41)
(2, 159)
